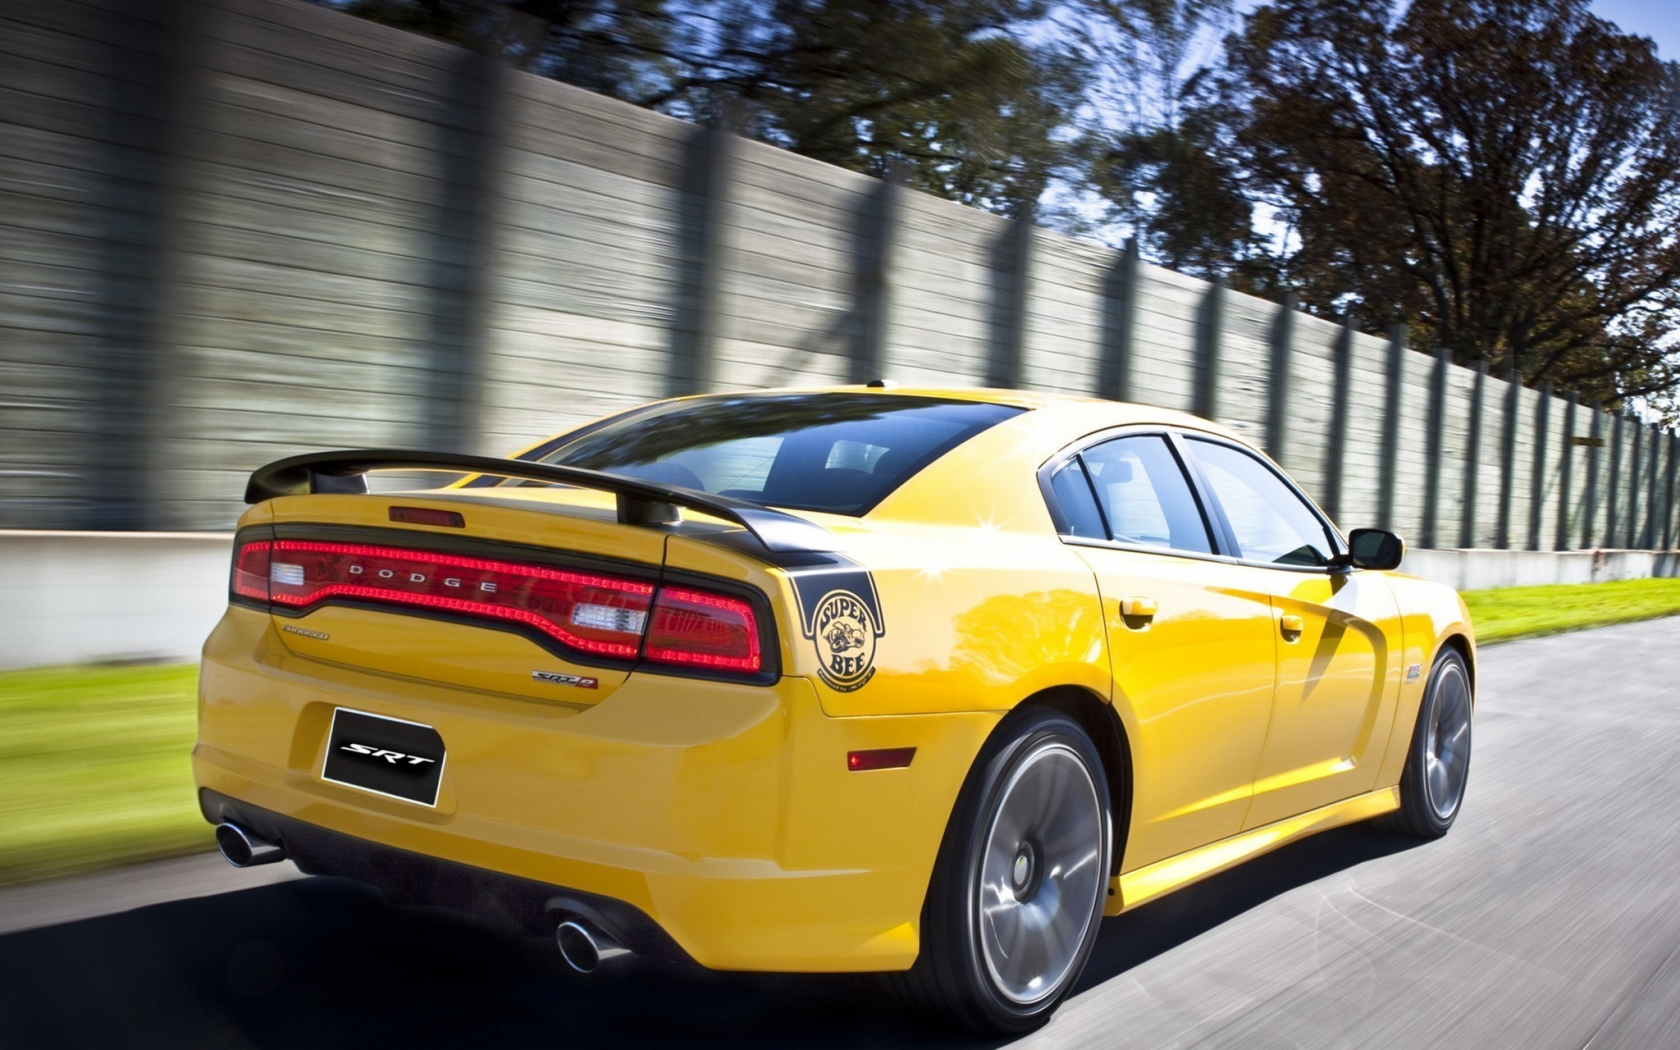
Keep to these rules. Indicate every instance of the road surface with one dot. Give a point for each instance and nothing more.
(1550, 917)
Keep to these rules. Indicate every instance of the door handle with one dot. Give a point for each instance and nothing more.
(1292, 626)
(1135, 608)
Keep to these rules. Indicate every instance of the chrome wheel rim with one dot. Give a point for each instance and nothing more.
(1041, 874)
(1446, 758)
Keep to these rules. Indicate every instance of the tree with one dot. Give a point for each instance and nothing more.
(1153, 157)
(614, 47)
(1504, 174)
(953, 90)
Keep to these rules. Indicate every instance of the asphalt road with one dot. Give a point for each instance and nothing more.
(1550, 917)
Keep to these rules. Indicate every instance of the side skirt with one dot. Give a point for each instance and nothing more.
(1134, 887)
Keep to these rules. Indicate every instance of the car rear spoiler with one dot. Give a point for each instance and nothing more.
(640, 502)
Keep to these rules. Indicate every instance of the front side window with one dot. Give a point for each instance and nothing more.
(833, 452)
(1144, 495)
(1271, 523)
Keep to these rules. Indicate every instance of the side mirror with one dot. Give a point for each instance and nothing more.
(1375, 549)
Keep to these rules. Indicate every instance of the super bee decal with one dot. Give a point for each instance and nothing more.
(845, 633)
(840, 612)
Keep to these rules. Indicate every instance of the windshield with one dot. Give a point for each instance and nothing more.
(839, 453)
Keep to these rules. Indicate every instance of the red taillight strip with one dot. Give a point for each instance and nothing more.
(355, 591)
(461, 605)
(456, 561)
(681, 627)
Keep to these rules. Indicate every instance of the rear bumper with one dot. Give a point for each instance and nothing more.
(514, 904)
(722, 815)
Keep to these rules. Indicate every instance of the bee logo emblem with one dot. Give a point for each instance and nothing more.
(844, 635)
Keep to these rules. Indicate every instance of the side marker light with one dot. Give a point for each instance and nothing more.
(885, 758)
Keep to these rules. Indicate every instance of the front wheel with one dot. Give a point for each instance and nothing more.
(1438, 764)
(1017, 894)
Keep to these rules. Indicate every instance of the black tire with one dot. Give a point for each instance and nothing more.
(1437, 767)
(1039, 786)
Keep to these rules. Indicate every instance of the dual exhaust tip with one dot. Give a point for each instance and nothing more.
(583, 946)
(242, 849)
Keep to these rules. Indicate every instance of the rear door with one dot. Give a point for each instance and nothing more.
(1338, 636)
(1191, 644)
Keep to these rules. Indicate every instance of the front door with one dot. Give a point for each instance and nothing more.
(1338, 639)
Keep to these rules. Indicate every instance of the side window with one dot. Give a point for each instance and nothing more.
(1074, 500)
(1271, 522)
(1144, 495)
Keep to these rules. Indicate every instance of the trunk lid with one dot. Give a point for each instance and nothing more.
(522, 591)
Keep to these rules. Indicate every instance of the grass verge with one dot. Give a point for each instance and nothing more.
(1521, 612)
(95, 768)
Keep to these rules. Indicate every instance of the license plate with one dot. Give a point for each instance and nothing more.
(386, 756)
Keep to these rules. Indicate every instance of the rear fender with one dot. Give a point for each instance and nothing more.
(923, 621)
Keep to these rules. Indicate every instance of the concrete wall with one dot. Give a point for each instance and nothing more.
(75, 597)
(232, 230)
(1475, 570)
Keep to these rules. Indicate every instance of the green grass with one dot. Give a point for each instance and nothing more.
(95, 768)
(1519, 612)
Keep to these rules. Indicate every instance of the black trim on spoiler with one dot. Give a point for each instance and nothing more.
(639, 502)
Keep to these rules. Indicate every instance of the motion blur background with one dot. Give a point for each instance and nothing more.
(1426, 254)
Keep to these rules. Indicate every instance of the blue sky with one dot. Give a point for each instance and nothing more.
(1657, 19)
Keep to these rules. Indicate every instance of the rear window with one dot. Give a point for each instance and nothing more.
(839, 453)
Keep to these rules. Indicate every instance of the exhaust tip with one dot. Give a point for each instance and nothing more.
(243, 849)
(585, 949)
(577, 947)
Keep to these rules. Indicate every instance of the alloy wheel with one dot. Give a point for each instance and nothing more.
(1041, 873)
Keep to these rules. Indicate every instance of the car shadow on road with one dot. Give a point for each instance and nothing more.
(1161, 925)
(324, 963)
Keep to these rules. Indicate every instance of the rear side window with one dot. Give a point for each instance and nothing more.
(1144, 496)
(836, 452)
(1080, 516)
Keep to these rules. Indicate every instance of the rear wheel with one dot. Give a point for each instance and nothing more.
(1438, 764)
(1017, 894)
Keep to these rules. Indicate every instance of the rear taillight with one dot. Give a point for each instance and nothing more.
(701, 629)
(600, 615)
(250, 570)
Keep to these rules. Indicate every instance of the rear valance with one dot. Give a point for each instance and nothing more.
(639, 502)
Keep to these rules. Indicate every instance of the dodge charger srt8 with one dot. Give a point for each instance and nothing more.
(918, 682)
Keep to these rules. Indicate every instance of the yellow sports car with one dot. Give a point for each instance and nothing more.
(854, 679)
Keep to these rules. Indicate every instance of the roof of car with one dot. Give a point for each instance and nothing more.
(1082, 411)
(1018, 398)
